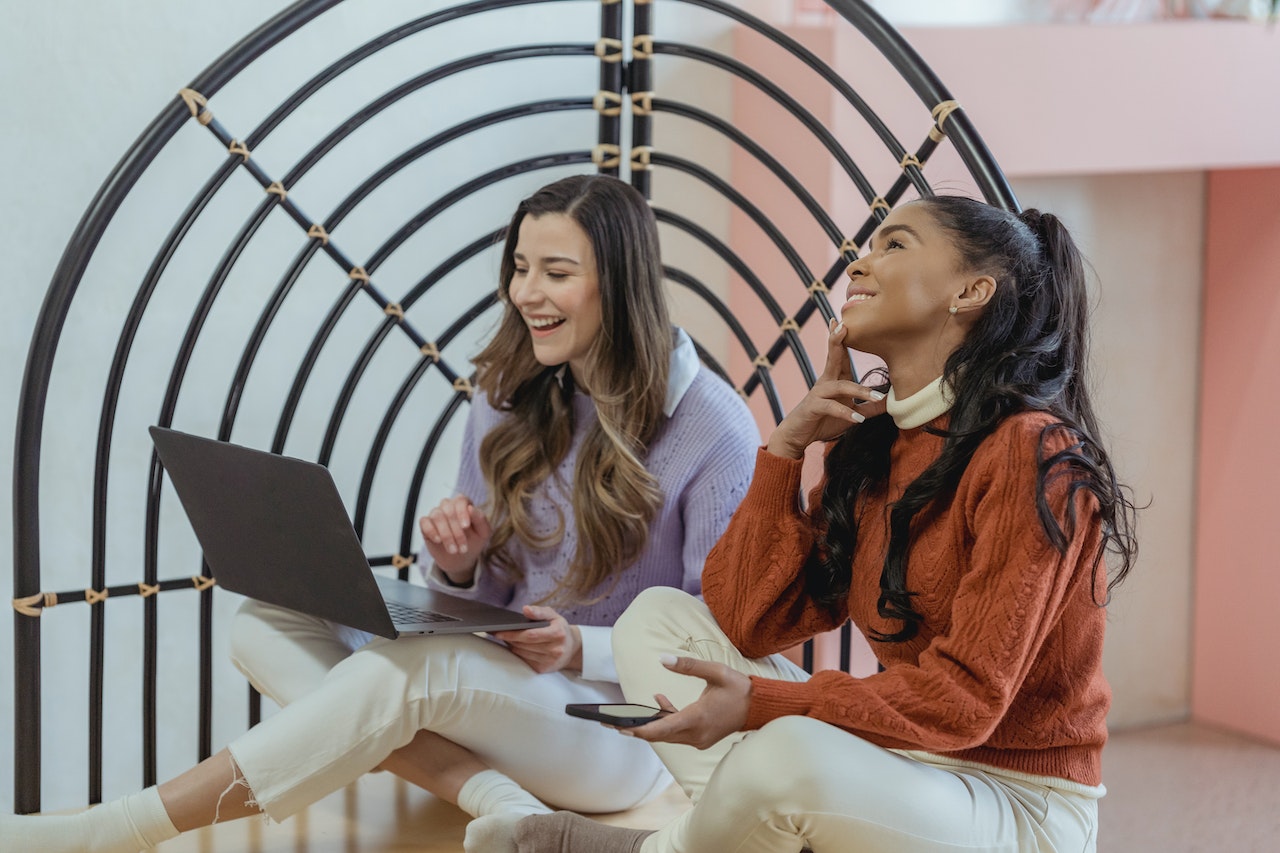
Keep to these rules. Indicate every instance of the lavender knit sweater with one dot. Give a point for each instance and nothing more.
(703, 458)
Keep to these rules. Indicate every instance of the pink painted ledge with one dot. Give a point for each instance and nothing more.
(1067, 99)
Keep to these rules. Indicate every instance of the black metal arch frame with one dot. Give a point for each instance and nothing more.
(625, 90)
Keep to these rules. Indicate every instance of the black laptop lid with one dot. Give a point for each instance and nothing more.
(273, 528)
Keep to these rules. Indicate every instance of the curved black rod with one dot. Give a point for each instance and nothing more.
(720, 185)
(409, 523)
(904, 58)
(435, 75)
(790, 104)
(285, 285)
(401, 397)
(763, 376)
(812, 60)
(764, 157)
(419, 220)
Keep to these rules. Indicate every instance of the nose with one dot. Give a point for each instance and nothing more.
(523, 289)
(856, 268)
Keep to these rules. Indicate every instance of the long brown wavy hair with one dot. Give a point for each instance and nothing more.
(614, 497)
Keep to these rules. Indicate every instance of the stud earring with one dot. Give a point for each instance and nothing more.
(954, 309)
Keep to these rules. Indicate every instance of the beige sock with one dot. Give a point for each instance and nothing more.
(566, 832)
(127, 825)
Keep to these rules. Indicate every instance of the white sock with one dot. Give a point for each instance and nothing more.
(493, 833)
(490, 792)
(127, 825)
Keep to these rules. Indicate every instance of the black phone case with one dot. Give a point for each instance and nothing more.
(622, 722)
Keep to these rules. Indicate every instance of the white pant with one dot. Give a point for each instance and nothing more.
(348, 704)
(798, 782)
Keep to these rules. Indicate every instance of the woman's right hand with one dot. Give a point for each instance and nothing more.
(828, 410)
(455, 533)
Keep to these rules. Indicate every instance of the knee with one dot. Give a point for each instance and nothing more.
(250, 630)
(780, 764)
(651, 608)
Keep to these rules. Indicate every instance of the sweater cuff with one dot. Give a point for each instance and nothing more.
(775, 486)
(597, 653)
(772, 698)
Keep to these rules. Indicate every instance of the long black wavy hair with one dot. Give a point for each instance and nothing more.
(1028, 351)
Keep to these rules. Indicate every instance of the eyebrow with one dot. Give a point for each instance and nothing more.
(552, 259)
(891, 230)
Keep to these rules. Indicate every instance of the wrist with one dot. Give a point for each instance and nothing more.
(460, 576)
(778, 445)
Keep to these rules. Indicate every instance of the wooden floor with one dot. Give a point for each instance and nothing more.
(378, 814)
(1173, 789)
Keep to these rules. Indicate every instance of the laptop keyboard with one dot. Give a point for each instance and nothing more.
(404, 614)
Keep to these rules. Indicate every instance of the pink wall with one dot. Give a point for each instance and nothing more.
(1236, 645)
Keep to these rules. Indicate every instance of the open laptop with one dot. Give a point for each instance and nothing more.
(274, 528)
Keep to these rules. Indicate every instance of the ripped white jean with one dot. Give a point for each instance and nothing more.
(350, 701)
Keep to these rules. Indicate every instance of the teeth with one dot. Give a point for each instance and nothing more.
(544, 322)
(859, 297)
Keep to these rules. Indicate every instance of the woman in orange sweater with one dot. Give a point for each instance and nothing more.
(961, 524)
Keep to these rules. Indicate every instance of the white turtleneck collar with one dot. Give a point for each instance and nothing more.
(928, 403)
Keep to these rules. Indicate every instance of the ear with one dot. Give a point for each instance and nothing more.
(976, 294)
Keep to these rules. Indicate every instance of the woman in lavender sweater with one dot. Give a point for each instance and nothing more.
(601, 459)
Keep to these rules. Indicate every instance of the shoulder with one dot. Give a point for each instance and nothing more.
(712, 407)
(1021, 442)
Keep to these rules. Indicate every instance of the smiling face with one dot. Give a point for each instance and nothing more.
(901, 291)
(555, 287)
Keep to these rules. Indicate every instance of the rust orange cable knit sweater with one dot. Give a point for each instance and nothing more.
(1007, 667)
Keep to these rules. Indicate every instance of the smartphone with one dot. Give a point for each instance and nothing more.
(616, 715)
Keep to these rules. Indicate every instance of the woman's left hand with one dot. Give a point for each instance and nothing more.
(721, 709)
(548, 649)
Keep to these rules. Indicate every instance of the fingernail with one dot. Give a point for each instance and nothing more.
(667, 660)
(877, 396)
(858, 417)
(839, 329)
(452, 550)
(463, 549)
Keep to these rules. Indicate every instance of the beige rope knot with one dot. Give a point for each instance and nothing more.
(848, 246)
(277, 188)
(741, 393)
(642, 103)
(34, 605)
(237, 147)
(431, 351)
(942, 111)
(401, 562)
(202, 583)
(606, 155)
(789, 325)
(463, 384)
(198, 104)
(146, 590)
(762, 361)
(911, 160)
(359, 274)
(93, 596)
(393, 309)
(640, 156)
(318, 231)
(642, 47)
(818, 286)
(609, 50)
(609, 2)
(608, 103)
(878, 203)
